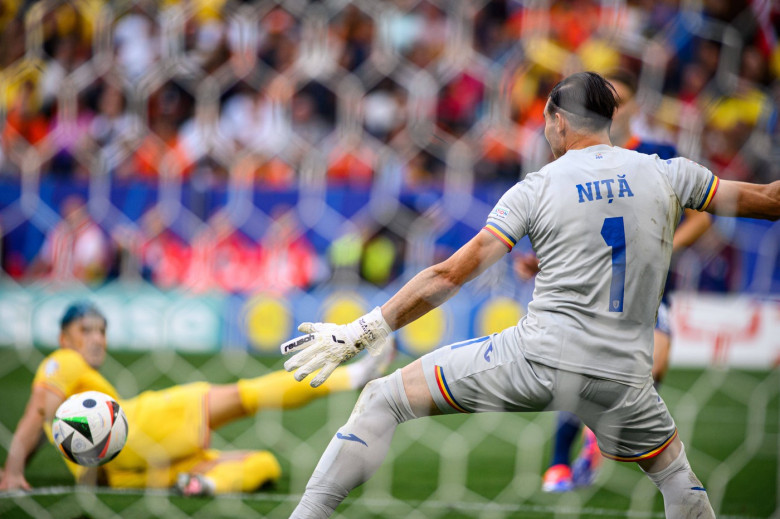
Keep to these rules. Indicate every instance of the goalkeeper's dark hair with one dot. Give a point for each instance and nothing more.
(588, 100)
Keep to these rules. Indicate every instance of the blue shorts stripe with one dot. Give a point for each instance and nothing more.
(467, 343)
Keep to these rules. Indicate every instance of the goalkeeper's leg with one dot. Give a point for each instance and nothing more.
(359, 447)
(684, 495)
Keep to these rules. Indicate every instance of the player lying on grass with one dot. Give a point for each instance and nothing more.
(169, 430)
(562, 475)
(600, 219)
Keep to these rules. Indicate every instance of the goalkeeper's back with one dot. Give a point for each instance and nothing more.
(601, 220)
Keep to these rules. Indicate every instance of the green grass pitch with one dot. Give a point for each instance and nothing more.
(729, 420)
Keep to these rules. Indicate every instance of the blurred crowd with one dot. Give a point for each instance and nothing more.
(220, 256)
(404, 93)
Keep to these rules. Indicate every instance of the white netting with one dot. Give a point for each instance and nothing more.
(212, 173)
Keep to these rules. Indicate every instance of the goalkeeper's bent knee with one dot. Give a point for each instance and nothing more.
(386, 394)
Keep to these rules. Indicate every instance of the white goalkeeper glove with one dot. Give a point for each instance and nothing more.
(327, 345)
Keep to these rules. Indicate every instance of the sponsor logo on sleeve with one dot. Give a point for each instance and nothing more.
(499, 212)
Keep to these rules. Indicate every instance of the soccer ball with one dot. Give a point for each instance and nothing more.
(89, 428)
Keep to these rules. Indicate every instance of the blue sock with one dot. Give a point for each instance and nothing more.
(565, 433)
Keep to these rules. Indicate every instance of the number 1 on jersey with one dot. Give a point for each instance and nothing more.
(614, 234)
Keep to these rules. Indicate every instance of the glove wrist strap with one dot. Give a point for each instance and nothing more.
(373, 330)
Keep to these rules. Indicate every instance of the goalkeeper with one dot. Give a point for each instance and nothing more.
(561, 476)
(169, 452)
(600, 219)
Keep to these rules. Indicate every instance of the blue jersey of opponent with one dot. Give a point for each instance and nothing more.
(664, 151)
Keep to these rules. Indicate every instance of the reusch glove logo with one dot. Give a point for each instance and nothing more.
(299, 342)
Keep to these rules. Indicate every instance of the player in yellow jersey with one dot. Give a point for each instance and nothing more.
(163, 453)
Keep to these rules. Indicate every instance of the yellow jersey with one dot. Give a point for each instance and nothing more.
(67, 373)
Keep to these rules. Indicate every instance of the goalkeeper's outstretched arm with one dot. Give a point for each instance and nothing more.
(328, 345)
(436, 284)
(747, 200)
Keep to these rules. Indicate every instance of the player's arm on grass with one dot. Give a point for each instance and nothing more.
(41, 406)
(746, 200)
(328, 345)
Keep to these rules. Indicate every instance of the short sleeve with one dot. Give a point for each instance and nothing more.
(61, 371)
(510, 219)
(694, 184)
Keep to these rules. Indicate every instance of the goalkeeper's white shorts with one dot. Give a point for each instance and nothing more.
(490, 374)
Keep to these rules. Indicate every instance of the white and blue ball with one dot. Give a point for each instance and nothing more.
(89, 428)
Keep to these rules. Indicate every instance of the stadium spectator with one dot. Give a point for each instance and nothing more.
(385, 109)
(585, 345)
(287, 260)
(423, 171)
(223, 257)
(161, 151)
(351, 163)
(500, 161)
(306, 122)
(492, 32)
(26, 124)
(168, 430)
(69, 136)
(344, 257)
(255, 121)
(459, 104)
(12, 41)
(112, 122)
(355, 30)
(62, 63)
(75, 249)
(151, 251)
(279, 34)
(137, 48)
(382, 257)
(420, 34)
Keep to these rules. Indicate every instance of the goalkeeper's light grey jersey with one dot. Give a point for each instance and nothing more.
(601, 221)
